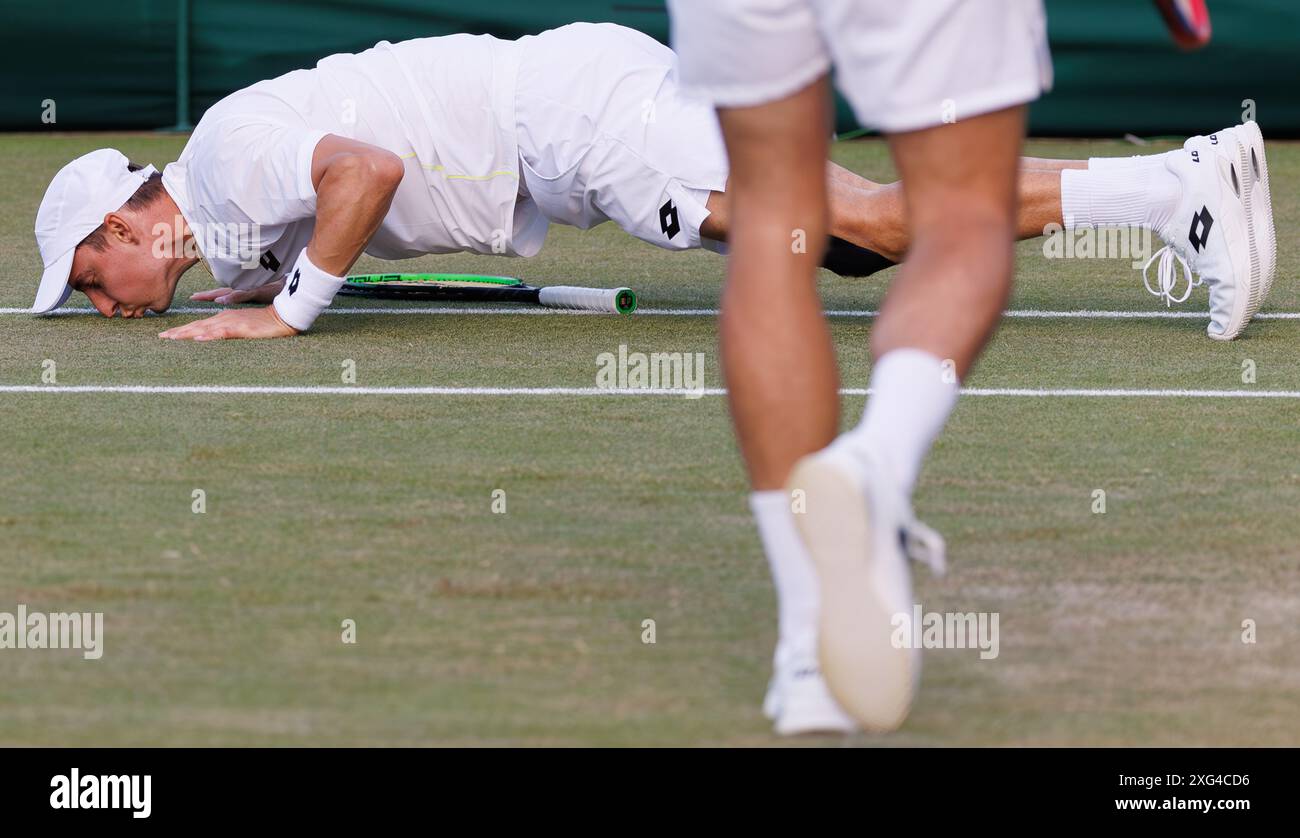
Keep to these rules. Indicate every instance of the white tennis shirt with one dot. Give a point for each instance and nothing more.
(444, 105)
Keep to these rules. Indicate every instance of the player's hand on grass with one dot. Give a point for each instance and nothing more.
(230, 297)
(232, 325)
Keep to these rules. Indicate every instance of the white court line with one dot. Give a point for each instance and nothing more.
(272, 390)
(1030, 313)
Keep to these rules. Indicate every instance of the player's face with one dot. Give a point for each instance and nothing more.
(125, 280)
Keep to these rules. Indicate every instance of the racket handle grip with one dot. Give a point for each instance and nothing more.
(613, 300)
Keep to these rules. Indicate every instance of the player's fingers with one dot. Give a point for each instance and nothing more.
(178, 331)
(235, 297)
(192, 330)
(211, 294)
(218, 332)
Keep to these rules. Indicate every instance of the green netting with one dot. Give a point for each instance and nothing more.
(114, 66)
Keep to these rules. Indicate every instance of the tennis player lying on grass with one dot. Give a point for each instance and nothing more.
(473, 144)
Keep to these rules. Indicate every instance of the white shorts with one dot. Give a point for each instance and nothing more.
(607, 134)
(902, 64)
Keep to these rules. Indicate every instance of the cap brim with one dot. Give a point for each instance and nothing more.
(54, 290)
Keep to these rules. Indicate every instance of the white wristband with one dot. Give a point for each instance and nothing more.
(307, 292)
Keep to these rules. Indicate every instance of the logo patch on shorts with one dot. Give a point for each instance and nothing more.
(668, 219)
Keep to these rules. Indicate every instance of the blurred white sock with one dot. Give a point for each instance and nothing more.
(792, 573)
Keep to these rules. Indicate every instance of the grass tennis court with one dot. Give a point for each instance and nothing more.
(474, 627)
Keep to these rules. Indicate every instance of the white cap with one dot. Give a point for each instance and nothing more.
(81, 194)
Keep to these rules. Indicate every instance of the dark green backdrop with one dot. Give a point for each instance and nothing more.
(113, 65)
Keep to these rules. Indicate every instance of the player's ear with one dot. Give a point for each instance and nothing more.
(119, 229)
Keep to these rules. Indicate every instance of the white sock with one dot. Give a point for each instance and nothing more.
(1142, 192)
(1125, 162)
(792, 573)
(912, 393)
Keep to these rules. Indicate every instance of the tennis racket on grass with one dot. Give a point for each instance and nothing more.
(487, 289)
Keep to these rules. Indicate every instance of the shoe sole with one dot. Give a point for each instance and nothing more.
(1255, 165)
(872, 680)
(1261, 240)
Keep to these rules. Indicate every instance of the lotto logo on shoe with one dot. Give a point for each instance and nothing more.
(103, 791)
(1205, 221)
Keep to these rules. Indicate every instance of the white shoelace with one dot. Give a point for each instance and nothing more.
(922, 544)
(1167, 276)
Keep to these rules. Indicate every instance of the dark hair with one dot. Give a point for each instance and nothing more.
(148, 192)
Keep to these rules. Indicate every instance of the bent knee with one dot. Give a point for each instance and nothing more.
(981, 246)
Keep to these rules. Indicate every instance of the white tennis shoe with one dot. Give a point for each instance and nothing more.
(1222, 228)
(859, 531)
(799, 702)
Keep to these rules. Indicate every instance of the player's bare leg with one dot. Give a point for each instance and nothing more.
(877, 219)
(961, 190)
(959, 186)
(1153, 192)
(776, 347)
(874, 215)
(779, 364)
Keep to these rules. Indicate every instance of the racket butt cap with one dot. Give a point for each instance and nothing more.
(612, 300)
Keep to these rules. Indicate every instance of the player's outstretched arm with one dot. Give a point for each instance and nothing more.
(355, 183)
